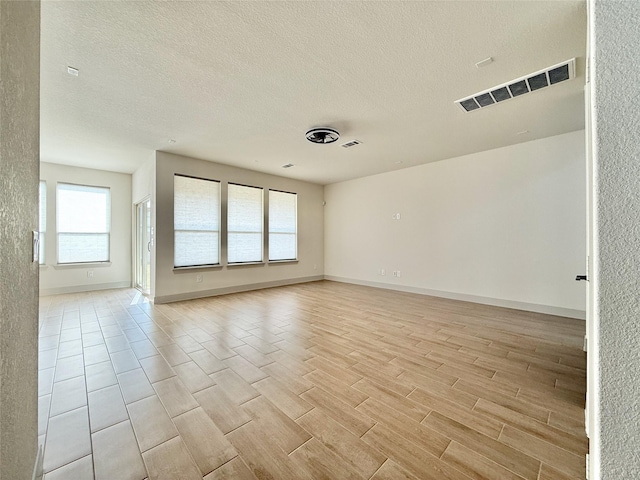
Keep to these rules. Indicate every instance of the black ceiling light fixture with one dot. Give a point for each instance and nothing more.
(322, 135)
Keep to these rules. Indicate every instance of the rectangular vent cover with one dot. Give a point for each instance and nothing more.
(520, 86)
(352, 143)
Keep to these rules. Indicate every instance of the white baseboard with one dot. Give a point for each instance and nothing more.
(234, 289)
(496, 302)
(83, 288)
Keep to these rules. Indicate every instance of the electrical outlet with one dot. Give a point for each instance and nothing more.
(398, 273)
(398, 216)
(395, 274)
(199, 278)
(382, 272)
(90, 274)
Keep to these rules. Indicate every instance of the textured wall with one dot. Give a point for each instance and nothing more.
(55, 279)
(171, 285)
(505, 227)
(617, 118)
(19, 165)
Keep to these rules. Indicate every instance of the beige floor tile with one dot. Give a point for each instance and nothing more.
(207, 362)
(69, 367)
(68, 395)
(249, 372)
(235, 387)
(291, 404)
(361, 456)
(96, 354)
(70, 348)
(44, 402)
(106, 408)
(47, 343)
(135, 385)
(100, 375)
(174, 396)
(193, 377)
(283, 431)
(171, 461)
(223, 411)
(116, 454)
(124, 360)
(81, 469)
(188, 344)
(235, 469)
(45, 381)
(151, 423)
(157, 368)
(391, 471)
(204, 440)
(68, 439)
(117, 344)
(143, 349)
(47, 359)
(92, 338)
(173, 354)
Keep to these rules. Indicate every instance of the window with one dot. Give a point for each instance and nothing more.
(42, 228)
(196, 221)
(83, 219)
(244, 222)
(283, 225)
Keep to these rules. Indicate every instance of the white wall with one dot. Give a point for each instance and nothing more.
(616, 440)
(176, 284)
(56, 279)
(504, 227)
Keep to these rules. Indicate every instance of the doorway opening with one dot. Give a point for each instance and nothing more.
(143, 247)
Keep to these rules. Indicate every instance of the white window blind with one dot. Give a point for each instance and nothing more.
(83, 221)
(196, 221)
(244, 224)
(42, 227)
(283, 224)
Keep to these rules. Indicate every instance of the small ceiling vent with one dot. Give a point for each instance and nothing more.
(520, 86)
(322, 135)
(288, 165)
(352, 143)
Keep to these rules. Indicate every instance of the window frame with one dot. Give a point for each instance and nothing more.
(269, 233)
(218, 231)
(58, 232)
(262, 226)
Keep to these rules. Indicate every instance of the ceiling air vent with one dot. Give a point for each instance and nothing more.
(352, 143)
(288, 165)
(520, 86)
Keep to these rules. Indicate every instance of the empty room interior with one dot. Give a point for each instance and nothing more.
(319, 240)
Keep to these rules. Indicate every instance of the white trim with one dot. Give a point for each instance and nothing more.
(497, 302)
(84, 288)
(235, 289)
(63, 266)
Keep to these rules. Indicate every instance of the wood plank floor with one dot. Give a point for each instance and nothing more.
(314, 381)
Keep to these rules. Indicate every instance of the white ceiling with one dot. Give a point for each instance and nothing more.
(241, 82)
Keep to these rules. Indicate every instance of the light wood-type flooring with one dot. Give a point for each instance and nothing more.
(314, 381)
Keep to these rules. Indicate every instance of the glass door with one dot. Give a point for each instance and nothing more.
(143, 246)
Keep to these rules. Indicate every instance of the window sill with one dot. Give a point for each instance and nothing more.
(197, 267)
(275, 262)
(64, 266)
(244, 264)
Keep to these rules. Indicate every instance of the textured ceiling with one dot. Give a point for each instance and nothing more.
(241, 82)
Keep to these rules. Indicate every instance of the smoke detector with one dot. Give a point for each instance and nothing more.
(322, 135)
